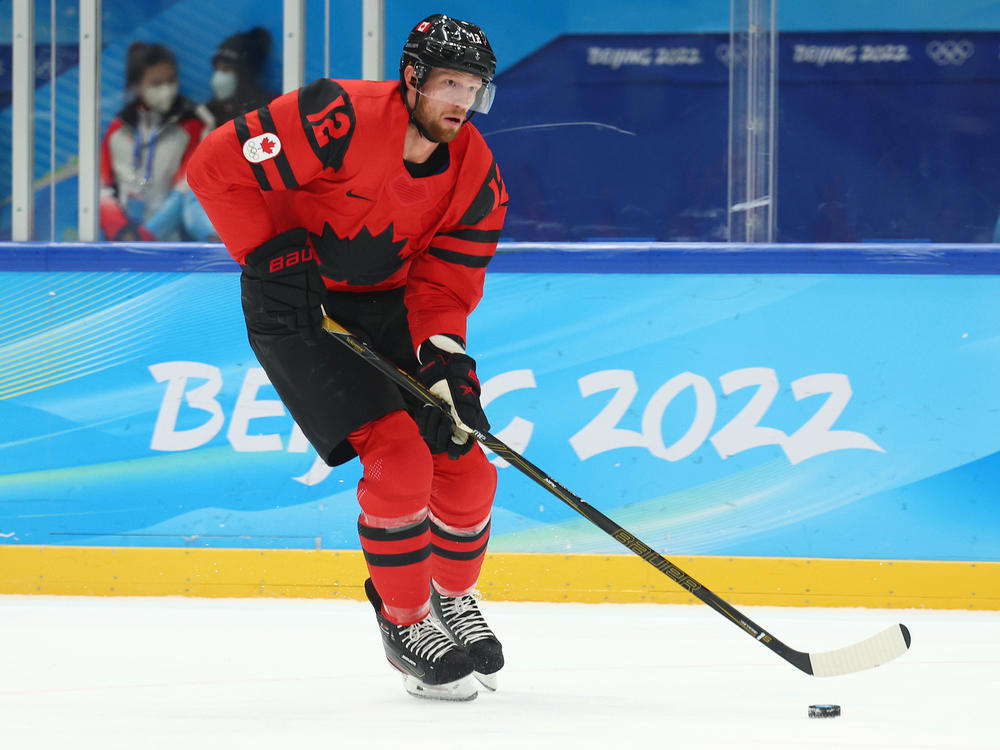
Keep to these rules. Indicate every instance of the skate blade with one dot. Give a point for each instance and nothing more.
(459, 690)
(488, 681)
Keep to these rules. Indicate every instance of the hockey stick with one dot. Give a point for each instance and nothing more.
(871, 652)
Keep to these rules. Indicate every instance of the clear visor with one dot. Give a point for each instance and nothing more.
(460, 89)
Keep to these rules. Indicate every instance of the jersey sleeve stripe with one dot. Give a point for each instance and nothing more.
(243, 133)
(475, 235)
(461, 259)
(281, 160)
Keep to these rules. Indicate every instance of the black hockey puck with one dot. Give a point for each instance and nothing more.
(824, 711)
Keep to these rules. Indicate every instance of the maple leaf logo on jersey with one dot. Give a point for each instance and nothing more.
(261, 148)
(361, 260)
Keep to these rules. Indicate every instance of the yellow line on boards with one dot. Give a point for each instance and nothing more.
(146, 571)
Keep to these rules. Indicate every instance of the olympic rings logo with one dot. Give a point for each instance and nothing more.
(722, 52)
(950, 52)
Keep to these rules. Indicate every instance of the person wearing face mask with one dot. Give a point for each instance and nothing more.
(145, 152)
(236, 67)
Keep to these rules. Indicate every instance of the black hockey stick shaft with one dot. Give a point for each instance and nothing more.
(404, 380)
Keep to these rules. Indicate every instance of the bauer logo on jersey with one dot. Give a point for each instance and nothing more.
(261, 148)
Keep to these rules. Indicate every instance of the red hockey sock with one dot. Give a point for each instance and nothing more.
(393, 527)
(461, 503)
(399, 565)
(457, 557)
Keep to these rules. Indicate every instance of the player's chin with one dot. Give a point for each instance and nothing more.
(449, 127)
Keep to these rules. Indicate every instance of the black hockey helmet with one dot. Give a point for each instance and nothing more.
(440, 41)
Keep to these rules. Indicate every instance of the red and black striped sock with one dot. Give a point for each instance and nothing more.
(457, 558)
(400, 567)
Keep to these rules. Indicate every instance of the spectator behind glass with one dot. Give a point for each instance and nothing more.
(237, 64)
(145, 152)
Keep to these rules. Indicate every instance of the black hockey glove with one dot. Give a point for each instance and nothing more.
(452, 377)
(289, 283)
(436, 429)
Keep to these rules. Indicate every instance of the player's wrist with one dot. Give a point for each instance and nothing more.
(442, 345)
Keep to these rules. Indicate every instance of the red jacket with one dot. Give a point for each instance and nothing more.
(149, 173)
(329, 157)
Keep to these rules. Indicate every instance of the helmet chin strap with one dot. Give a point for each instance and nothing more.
(412, 112)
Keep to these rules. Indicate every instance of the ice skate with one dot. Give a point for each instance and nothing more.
(432, 665)
(460, 618)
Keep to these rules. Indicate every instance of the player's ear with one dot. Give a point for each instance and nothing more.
(410, 76)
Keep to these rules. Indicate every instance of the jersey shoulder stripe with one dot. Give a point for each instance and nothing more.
(243, 133)
(281, 160)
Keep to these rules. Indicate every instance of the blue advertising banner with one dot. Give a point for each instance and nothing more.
(824, 415)
(802, 57)
(881, 136)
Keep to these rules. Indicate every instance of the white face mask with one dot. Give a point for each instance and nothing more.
(223, 84)
(161, 98)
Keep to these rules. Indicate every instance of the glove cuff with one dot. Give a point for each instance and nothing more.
(440, 344)
(281, 252)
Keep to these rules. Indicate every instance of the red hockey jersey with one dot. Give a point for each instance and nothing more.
(329, 157)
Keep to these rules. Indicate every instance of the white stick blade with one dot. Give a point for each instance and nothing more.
(877, 650)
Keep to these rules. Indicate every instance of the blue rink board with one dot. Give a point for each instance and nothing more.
(557, 257)
(740, 412)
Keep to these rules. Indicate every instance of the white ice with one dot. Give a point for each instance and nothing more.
(279, 673)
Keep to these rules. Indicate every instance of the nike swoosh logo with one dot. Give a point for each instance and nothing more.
(352, 194)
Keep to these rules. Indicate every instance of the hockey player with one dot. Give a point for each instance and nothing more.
(380, 203)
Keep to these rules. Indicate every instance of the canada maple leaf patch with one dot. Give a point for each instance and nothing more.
(261, 148)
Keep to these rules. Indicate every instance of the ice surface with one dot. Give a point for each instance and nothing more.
(280, 673)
